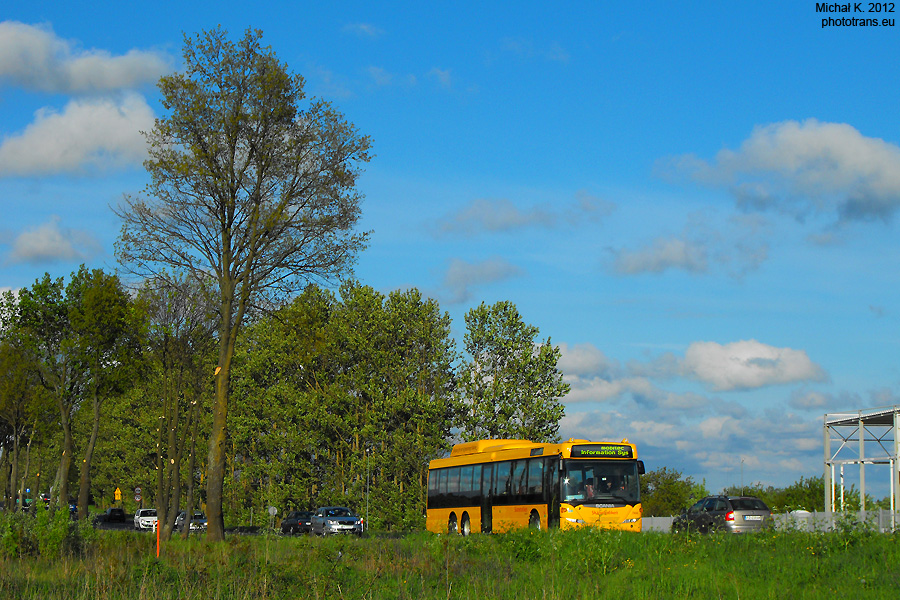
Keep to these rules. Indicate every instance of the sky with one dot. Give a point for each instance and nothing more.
(695, 201)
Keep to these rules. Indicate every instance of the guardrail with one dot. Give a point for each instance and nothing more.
(878, 520)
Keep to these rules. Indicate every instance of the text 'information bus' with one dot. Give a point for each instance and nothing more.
(497, 485)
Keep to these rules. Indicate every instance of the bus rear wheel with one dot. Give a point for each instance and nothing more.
(451, 524)
(534, 521)
(465, 527)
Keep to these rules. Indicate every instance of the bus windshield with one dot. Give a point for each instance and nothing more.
(600, 482)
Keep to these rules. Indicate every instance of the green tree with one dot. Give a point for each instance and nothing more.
(246, 188)
(23, 410)
(180, 357)
(337, 399)
(44, 324)
(804, 494)
(107, 328)
(512, 387)
(665, 492)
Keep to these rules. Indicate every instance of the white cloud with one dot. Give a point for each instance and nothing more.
(583, 359)
(600, 389)
(380, 77)
(461, 276)
(494, 216)
(662, 255)
(364, 30)
(101, 133)
(49, 242)
(737, 245)
(808, 400)
(807, 167)
(442, 76)
(503, 215)
(35, 58)
(748, 364)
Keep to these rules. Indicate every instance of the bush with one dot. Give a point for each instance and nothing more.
(48, 534)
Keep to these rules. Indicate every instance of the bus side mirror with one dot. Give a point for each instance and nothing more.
(640, 467)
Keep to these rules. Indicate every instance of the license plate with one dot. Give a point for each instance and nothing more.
(752, 518)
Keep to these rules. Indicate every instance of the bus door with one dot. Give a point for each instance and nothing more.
(486, 499)
(551, 490)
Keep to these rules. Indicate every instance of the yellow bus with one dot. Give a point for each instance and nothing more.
(498, 485)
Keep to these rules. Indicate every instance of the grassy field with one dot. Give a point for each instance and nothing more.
(852, 563)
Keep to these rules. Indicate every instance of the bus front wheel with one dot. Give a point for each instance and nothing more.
(451, 524)
(534, 521)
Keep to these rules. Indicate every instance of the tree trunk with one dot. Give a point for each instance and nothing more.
(84, 489)
(14, 475)
(215, 474)
(65, 461)
(191, 465)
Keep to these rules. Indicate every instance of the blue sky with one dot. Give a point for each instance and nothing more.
(697, 202)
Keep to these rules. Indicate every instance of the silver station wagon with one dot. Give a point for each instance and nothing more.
(734, 514)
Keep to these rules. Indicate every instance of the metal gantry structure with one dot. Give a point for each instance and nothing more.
(862, 438)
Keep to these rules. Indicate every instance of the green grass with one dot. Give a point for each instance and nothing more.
(524, 564)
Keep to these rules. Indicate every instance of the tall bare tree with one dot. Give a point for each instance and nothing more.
(247, 187)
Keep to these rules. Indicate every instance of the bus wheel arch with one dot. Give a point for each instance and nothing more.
(465, 525)
(534, 520)
(452, 524)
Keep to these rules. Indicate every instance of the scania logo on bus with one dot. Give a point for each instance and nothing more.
(602, 451)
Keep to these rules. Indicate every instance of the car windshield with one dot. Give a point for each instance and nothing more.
(748, 504)
(600, 482)
(149, 512)
(338, 512)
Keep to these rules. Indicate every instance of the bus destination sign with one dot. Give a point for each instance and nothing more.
(602, 451)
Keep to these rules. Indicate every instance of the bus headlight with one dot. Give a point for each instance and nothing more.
(575, 520)
(630, 521)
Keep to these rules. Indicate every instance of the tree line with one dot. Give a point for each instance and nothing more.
(338, 397)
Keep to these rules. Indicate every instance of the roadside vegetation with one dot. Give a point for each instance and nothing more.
(849, 562)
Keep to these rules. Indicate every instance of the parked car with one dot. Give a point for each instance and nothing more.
(336, 519)
(297, 521)
(111, 515)
(145, 518)
(734, 514)
(198, 521)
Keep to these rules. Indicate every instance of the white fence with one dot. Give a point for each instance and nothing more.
(878, 520)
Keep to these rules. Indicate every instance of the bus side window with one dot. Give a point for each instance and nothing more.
(432, 486)
(501, 480)
(475, 495)
(518, 478)
(486, 480)
(465, 481)
(441, 488)
(535, 476)
(453, 482)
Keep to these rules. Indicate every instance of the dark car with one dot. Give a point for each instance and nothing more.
(336, 519)
(297, 521)
(734, 514)
(111, 515)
